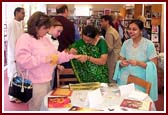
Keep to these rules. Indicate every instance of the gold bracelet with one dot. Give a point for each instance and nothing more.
(88, 58)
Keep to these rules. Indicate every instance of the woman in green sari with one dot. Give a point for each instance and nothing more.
(91, 65)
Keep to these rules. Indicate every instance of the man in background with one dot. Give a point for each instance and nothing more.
(14, 29)
(113, 42)
(118, 25)
(67, 37)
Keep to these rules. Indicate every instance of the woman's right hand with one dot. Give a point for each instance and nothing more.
(73, 51)
(124, 63)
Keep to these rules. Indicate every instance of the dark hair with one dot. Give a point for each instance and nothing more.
(37, 20)
(107, 18)
(18, 9)
(61, 9)
(139, 23)
(90, 31)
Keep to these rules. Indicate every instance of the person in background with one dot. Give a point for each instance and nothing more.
(113, 41)
(15, 29)
(77, 34)
(91, 66)
(36, 55)
(67, 36)
(138, 58)
(118, 25)
(54, 31)
(144, 31)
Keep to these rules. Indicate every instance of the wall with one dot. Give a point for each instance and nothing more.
(113, 7)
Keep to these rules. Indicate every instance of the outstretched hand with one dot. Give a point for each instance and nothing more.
(73, 51)
(78, 56)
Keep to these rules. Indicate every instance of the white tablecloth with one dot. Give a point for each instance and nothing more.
(111, 99)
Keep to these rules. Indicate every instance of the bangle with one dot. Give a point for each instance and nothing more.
(88, 58)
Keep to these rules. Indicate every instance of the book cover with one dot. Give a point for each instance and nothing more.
(62, 92)
(134, 104)
(59, 102)
(77, 108)
(85, 86)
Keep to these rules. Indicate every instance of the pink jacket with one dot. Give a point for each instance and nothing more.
(31, 55)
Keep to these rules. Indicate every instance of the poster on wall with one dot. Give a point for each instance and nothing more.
(155, 29)
(107, 11)
(155, 38)
(157, 46)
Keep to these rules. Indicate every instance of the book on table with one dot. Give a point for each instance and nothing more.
(59, 102)
(135, 104)
(85, 86)
(61, 92)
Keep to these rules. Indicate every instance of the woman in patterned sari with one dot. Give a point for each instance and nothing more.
(91, 66)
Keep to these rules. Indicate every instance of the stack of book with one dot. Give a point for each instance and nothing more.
(60, 98)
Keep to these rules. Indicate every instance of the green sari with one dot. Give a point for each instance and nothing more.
(88, 71)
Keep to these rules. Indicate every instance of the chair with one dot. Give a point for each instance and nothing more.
(66, 71)
(140, 82)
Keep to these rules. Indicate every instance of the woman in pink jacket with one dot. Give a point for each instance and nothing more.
(35, 54)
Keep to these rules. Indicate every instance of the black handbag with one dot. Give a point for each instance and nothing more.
(20, 88)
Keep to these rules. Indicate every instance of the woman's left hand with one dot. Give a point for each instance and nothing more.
(83, 58)
(60, 67)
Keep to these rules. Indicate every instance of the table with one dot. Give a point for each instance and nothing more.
(111, 99)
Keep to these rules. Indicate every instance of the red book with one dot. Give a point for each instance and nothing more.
(59, 102)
